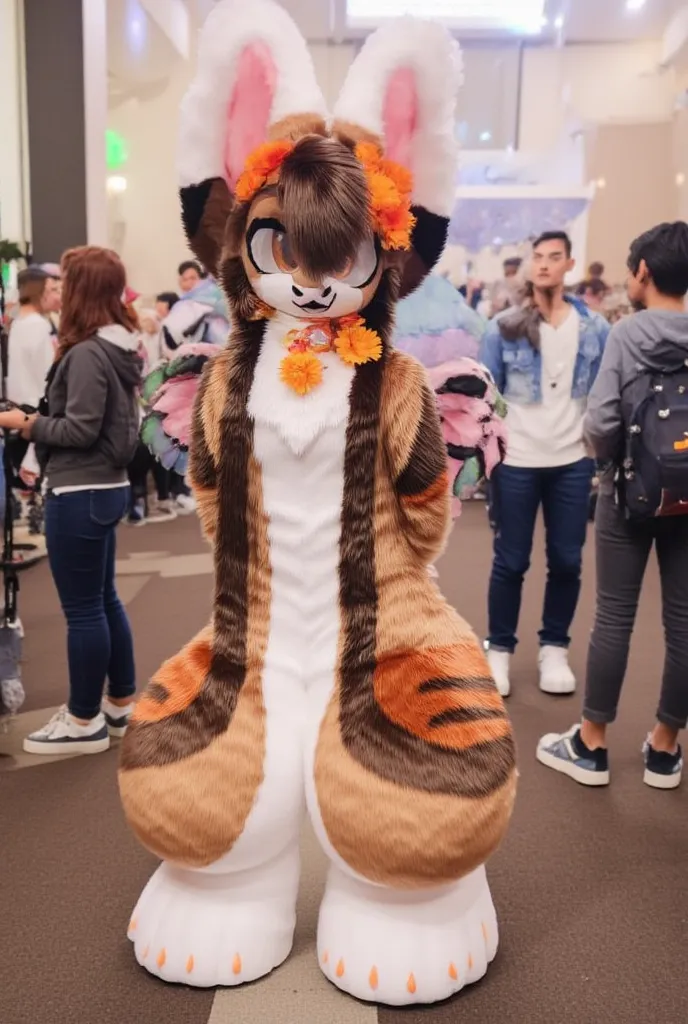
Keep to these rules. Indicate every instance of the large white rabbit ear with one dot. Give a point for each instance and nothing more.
(255, 80)
(403, 89)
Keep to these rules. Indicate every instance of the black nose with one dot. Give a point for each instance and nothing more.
(328, 291)
(297, 291)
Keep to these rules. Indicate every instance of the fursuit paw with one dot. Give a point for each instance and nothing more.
(207, 930)
(398, 948)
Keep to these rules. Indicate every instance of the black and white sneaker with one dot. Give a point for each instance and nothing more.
(662, 770)
(116, 717)
(566, 753)
(64, 735)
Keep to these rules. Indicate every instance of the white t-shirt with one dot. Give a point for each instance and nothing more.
(152, 344)
(550, 433)
(31, 353)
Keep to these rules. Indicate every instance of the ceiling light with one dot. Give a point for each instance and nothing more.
(634, 5)
(680, 179)
(116, 184)
(559, 22)
(601, 183)
(485, 136)
(527, 16)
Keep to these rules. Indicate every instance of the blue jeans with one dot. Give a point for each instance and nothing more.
(80, 534)
(515, 497)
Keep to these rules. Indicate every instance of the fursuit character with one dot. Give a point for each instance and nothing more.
(333, 676)
(472, 415)
(169, 392)
(192, 332)
(437, 326)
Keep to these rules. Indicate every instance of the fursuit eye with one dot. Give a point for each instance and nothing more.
(269, 248)
(359, 272)
(282, 251)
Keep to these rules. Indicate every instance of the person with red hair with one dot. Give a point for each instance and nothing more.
(86, 433)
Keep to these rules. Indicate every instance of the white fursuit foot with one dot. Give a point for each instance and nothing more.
(397, 948)
(205, 929)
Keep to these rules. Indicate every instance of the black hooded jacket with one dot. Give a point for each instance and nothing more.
(90, 433)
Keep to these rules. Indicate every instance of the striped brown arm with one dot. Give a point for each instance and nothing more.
(204, 449)
(417, 455)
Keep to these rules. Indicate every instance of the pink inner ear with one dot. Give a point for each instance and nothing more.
(248, 112)
(399, 116)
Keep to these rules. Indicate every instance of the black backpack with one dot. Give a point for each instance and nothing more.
(653, 477)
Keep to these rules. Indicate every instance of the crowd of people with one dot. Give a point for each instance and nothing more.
(79, 349)
(577, 393)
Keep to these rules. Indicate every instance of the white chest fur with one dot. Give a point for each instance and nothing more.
(300, 444)
(298, 419)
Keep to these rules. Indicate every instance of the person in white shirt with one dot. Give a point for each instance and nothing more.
(544, 356)
(31, 347)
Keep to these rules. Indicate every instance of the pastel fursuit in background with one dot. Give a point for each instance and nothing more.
(333, 679)
(436, 325)
(194, 330)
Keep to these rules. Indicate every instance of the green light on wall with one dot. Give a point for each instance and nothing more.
(116, 150)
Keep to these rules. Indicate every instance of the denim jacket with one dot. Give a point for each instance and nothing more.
(517, 367)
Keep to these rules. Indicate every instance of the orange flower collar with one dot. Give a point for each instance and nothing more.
(354, 343)
(390, 186)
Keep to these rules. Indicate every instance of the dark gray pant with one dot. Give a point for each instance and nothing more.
(622, 551)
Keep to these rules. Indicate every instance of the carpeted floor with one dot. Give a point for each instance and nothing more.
(590, 886)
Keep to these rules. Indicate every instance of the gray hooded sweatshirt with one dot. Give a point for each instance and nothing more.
(655, 340)
(91, 432)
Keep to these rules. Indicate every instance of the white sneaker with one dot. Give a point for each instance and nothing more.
(64, 735)
(185, 504)
(556, 676)
(116, 716)
(500, 664)
(161, 512)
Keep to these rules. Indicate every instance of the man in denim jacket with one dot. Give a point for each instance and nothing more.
(544, 356)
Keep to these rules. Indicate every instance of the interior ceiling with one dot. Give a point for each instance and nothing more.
(584, 20)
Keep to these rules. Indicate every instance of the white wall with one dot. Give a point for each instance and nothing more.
(95, 118)
(12, 224)
(680, 162)
(331, 64)
(636, 164)
(596, 83)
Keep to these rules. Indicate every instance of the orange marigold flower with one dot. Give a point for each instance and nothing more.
(356, 345)
(390, 187)
(368, 153)
(263, 161)
(401, 176)
(384, 195)
(301, 371)
(396, 228)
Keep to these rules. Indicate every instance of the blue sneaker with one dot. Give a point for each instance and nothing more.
(567, 753)
(116, 717)
(662, 770)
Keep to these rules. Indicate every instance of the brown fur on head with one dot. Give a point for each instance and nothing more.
(323, 193)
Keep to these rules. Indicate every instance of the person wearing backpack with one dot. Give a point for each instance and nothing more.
(637, 423)
(86, 433)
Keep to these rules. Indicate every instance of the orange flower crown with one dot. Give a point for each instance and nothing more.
(390, 187)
